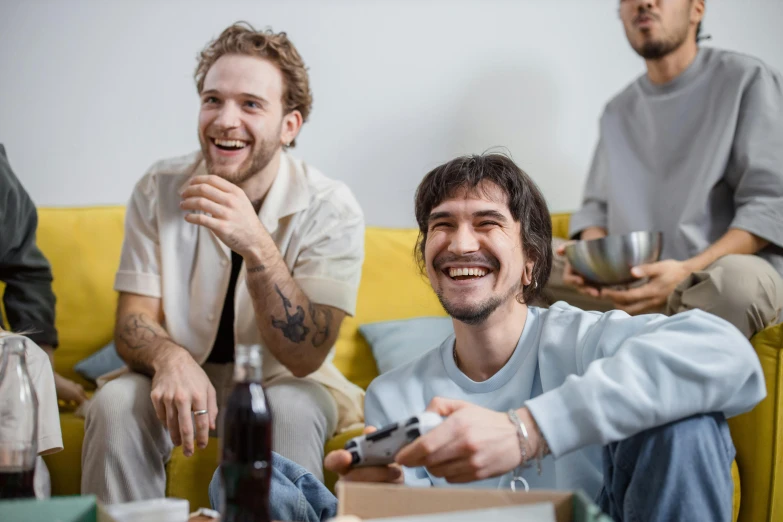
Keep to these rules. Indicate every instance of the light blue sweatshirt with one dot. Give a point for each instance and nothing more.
(588, 379)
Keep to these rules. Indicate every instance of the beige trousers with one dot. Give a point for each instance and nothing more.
(744, 290)
(126, 447)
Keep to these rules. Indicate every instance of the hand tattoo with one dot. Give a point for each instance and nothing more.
(322, 318)
(138, 332)
(293, 327)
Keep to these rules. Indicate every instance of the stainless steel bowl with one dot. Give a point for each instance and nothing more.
(608, 260)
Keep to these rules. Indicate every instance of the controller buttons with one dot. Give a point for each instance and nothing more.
(413, 434)
(355, 458)
(412, 420)
(351, 444)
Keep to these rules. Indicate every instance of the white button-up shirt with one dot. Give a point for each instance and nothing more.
(316, 224)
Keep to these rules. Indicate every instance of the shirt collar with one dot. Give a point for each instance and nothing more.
(288, 194)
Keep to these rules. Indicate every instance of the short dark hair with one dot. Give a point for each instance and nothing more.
(525, 203)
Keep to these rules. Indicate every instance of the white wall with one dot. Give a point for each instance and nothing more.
(92, 92)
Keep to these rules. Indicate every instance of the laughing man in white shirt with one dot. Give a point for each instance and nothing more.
(237, 244)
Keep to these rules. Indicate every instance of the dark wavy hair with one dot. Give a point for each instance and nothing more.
(525, 203)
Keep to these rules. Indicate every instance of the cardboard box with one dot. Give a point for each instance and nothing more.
(371, 501)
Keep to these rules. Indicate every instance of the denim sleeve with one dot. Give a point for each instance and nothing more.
(295, 494)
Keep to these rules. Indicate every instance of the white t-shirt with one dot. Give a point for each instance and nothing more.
(50, 438)
(315, 222)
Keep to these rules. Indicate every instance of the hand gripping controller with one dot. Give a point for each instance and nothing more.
(380, 447)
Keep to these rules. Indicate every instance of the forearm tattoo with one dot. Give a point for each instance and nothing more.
(138, 331)
(254, 269)
(293, 327)
(322, 318)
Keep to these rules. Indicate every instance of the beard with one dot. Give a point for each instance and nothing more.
(258, 159)
(479, 312)
(657, 49)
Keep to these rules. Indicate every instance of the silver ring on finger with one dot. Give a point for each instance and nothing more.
(200, 412)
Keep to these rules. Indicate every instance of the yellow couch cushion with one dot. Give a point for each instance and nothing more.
(391, 288)
(758, 437)
(83, 246)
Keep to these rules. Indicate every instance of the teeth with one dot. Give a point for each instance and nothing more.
(476, 272)
(231, 143)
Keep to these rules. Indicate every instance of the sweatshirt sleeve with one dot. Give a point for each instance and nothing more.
(756, 166)
(594, 209)
(629, 374)
(28, 297)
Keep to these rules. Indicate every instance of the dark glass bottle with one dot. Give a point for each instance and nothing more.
(246, 464)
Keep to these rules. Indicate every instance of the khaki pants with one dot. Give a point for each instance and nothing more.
(126, 448)
(744, 290)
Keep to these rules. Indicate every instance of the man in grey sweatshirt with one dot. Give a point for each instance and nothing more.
(694, 149)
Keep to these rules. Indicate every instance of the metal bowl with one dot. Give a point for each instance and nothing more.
(608, 260)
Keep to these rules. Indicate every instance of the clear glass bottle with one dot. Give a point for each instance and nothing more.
(246, 464)
(18, 421)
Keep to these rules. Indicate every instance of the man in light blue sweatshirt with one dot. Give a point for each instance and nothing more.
(629, 409)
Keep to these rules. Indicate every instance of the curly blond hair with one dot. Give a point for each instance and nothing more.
(241, 38)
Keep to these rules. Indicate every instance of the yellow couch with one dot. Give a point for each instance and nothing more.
(83, 245)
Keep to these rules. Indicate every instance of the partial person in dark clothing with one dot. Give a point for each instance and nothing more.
(28, 298)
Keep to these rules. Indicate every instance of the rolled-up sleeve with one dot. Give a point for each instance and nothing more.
(593, 211)
(328, 268)
(757, 159)
(139, 271)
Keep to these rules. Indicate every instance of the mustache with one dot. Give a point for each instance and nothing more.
(645, 12)
(479, 259)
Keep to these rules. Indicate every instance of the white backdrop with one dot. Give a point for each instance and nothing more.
(93, 92)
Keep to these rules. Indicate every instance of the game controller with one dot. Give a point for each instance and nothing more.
(380, 447)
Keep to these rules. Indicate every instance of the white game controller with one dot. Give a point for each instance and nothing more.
(380, 447)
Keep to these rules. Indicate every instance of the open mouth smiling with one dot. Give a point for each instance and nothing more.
(466, 273)
(229, 145)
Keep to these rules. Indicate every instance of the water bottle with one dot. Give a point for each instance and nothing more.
(246, 464)
(18, 422)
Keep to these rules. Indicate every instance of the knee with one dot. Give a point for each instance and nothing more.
(697, 437)
(746, 282)
(738, 288)
(119, 400)
(303, 405)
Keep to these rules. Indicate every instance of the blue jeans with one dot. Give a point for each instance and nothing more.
(680, 471)
(295, 494)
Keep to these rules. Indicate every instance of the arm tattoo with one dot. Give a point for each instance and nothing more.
(138, 332)
(293, 327)
(322, 318)
(259, 268)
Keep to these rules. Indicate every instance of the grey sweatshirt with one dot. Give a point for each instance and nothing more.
(692, 158)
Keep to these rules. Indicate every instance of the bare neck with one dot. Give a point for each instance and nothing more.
(482, 350)
(663, 70)
(257, 185)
